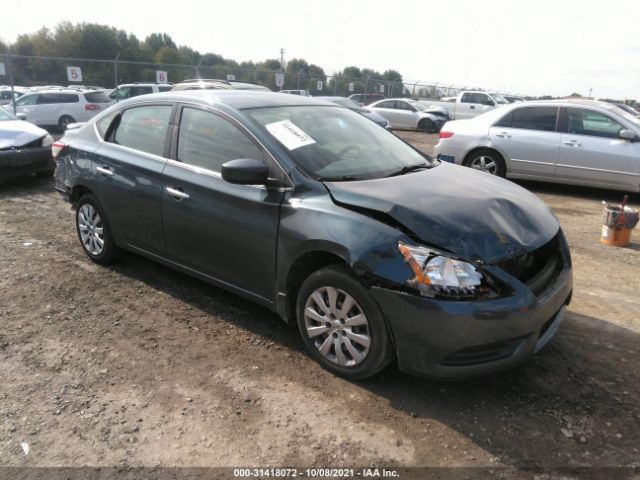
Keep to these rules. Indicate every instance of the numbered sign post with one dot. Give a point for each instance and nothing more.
(319, 85)
(381, 88)
(161, 77)
(2, 70)
(230, 77)
(74, 74)
(279, 79)
(351, 87)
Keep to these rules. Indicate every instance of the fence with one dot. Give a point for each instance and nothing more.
(31, 70)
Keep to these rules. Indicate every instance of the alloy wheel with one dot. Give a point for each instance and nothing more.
(91, 229)
(337, 326)
(484, 163)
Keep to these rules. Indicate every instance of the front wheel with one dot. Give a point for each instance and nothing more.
(94, 232)
(427, 126)
(341, 326)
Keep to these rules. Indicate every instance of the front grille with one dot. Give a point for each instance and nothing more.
(538, 269)
(483, 353)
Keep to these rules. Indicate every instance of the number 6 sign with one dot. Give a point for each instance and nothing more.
(161, 77)
(74, 74)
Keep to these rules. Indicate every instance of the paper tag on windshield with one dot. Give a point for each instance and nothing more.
(289, 134)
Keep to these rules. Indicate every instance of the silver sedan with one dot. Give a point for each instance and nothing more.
(577, 142)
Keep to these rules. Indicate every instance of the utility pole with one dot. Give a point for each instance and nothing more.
(282, 59)
(115, 70)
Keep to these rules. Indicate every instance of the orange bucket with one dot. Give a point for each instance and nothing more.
(617, 223)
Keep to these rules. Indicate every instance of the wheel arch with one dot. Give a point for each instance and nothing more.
(303, 266)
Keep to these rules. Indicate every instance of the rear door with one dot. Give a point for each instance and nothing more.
(225, 231)
(527, 136)
(388, 110)
(47, 109)
(129, 168)
(591, 151)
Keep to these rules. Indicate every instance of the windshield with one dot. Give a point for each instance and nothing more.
(629, 117)
(5, 116)
(332, 143)
(499, 99)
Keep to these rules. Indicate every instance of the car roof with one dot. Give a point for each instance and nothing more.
(62, 90)
(568, 102)
(237, 99)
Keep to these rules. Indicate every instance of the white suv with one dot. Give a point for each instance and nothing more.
(60, 107)
(128, 90)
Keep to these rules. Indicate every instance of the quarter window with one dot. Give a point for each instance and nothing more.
(534, 118)
(207, 140)
(68, 98)
(589, 122)
(143, 128)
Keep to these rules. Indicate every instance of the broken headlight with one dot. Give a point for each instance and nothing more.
(439, 275)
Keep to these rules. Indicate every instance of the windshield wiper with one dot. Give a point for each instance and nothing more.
(344, 178)
(409, 168)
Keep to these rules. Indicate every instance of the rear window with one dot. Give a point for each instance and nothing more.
(97, 97)
(531, 118)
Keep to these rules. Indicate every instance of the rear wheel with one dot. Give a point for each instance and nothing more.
(93, 231)
(64, 122)
(340, 324)
(488, 161)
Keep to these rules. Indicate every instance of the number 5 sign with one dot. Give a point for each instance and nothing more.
(161, 77)
(74, 74)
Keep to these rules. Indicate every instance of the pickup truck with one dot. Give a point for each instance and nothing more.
(469, 104)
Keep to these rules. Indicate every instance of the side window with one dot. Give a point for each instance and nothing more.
(387, 104)
(68, 98)
(207, 140)
(143, 128)
(590, 122)
(120, 93)
(164, 88)
(505, 121)
(48, 98)
(466, 98)
(405, 106)
(103, 124)
(26, 100)
(535, 118)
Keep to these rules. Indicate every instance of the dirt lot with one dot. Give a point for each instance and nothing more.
(139, 365)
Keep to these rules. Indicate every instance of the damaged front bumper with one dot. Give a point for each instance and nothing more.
(24, 161)
(451, 339)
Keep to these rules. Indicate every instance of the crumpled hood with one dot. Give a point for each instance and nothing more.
(16, 133)
(471, 214)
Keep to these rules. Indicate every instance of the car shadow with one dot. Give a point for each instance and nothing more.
(573, 191)
(575, 403)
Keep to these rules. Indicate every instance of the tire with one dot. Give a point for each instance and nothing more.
(486, 160)
(94, 232)
(64, 121)
(427, 126)
(355, 343)
(45, 174)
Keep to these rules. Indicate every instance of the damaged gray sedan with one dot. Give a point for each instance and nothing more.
(24, 148)
(377, 252)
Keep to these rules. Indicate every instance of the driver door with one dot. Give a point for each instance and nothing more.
(225, 231)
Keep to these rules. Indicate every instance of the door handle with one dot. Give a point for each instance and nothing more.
(503, 135)
(472, 107)
(104, 171)
(572, 143)
(177, 194)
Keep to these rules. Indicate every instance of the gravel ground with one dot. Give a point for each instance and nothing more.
(138, 365)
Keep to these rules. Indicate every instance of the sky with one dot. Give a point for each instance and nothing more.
(519, 46)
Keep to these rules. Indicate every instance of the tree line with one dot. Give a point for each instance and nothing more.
(158, 51)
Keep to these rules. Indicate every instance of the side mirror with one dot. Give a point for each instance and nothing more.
(21, 116)
(626, 134)
(490, 103)
(245, 171)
